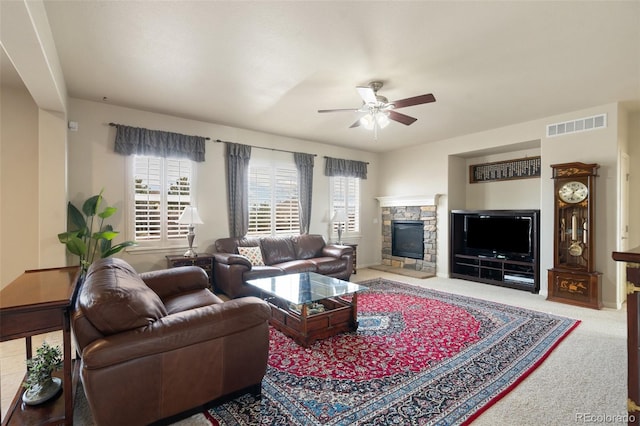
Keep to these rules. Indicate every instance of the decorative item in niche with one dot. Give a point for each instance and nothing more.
(521, 168)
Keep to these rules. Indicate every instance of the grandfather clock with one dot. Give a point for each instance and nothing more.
(573, 278)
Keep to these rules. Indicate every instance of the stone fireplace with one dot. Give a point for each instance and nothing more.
(410, 209)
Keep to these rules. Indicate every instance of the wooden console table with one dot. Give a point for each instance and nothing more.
(37, 302)
(632, 258)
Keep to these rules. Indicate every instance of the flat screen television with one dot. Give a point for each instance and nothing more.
(501, 235)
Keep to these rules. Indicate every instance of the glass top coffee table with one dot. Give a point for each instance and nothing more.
(309, 306)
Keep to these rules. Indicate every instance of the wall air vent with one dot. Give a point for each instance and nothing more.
(580, 125)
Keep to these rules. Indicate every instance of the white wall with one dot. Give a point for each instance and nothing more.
(429, 165)
(93, 165)
(18, 183)
(506, 194)
(634, 179)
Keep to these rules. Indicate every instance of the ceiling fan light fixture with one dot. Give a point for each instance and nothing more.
(382, 119)
(367, 121)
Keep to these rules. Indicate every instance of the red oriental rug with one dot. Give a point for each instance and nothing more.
(419, 357)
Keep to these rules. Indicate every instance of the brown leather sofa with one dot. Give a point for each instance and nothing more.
(281, 255)
(157, 344)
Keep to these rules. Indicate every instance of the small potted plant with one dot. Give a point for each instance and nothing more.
(40, 385)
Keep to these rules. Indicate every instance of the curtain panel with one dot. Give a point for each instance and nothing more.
(348, 168)
(237, 188)
(304, 164)
(140, 141)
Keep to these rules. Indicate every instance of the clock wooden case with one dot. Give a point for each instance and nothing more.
(573, 278)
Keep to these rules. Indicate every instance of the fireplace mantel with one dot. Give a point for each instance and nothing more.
(408, 200)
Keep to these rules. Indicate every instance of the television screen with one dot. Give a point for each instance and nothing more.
(498, 234)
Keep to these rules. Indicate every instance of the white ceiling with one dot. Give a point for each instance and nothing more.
(269, 66)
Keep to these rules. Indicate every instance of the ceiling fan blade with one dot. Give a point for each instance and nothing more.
(356, 124)
(339, 110)
(401, 118)
(416, 100)
(367, 94)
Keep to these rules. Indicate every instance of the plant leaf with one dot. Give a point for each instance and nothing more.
(76, 246)
(105, 245)
(75, 219)
(118, 248)
(90, 207)
(66, 236)
(107, 212)
(106, 235)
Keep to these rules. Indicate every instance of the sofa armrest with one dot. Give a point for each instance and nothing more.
(166, 282)
(231, 259)
(335, 250)
(176, 331)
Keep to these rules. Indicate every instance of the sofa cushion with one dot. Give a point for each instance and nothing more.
(308, 246)
(262, 272)
(277, 250)
(190, 300)
(115, 299)
(329, 265)
(254, 254)
(230, 245)
(297, 266)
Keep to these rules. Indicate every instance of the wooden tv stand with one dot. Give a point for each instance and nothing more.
(519, 272)
(521, 275)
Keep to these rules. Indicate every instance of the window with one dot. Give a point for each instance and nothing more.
(162, 187)
(273, 199)
(345, 194)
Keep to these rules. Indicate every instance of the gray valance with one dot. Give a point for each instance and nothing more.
(341, 167)
(139, 141)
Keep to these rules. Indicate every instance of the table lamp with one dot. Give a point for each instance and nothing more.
(190, 217)
(339, 217)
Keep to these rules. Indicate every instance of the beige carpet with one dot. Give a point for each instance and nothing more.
(402, 271)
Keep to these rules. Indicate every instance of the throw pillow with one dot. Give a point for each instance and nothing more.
(254, 254)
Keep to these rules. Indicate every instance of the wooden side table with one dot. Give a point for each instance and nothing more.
(355, 256)
(203, 260)
(37, 302)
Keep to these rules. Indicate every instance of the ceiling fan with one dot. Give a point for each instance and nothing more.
(379, 110)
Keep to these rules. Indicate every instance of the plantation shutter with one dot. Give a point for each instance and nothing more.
(346, 195)
(162, 190)
(273, 201)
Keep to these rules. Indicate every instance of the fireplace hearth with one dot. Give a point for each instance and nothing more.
(407, 238)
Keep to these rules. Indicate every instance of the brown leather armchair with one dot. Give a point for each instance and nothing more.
(157, 344)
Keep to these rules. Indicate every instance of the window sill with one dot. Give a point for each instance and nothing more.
(165, 249)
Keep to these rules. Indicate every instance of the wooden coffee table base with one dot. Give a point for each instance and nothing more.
(339, 316)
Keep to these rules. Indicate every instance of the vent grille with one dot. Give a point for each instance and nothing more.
(575, 126)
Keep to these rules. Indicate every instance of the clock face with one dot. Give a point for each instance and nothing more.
(573, 192)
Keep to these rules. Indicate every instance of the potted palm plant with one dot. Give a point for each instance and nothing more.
(40, 385)
(87, 236)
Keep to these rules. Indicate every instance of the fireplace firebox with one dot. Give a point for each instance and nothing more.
(407, 238)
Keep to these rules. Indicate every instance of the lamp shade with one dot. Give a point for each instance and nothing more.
(190, 216)
(382, 119)
(367, 122)
(340, 215)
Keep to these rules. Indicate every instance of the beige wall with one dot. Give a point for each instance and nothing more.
(430, 165)
(634, 179)
(93, 165)
(18, 183)
(501, 195)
